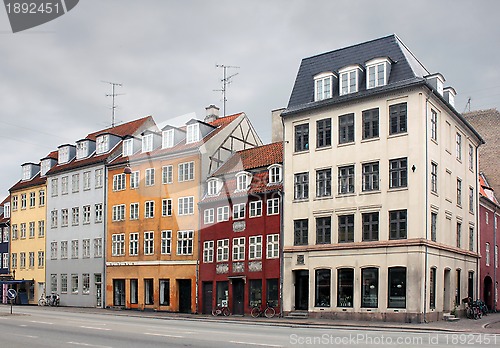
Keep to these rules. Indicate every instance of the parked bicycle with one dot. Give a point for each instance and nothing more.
(221, 310)
(472, 311)
(52, 300)
(259, 311)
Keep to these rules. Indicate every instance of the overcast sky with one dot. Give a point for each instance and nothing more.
(164, 53)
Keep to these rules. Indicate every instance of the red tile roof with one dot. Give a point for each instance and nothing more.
(36, 181)
(485, 190)
(122, 129)
(6, 200)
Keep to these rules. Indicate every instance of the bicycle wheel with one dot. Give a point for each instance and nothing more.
(214, 311)
(269, 312)
(42, 302)
(255, 312)
(226, 312)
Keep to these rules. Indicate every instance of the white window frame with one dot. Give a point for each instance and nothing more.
(373, 65)
(213, 187)
(239, 249)
(134, 179)
(323, 86)
(149, 209)
(223, 213)
(243, 181)
(118, 244)
(186, 171)
(98, 178)
(192, 133)
(208, 251)
(167, 139)
(119, 182)
(134, 211)
(239, 211)
(275, 174)
(150, 177)
(208, 216)
(86, 214)
(147, 143)
(86, 248)
(98, 212)
(255, 247)
(273, 206)
(186, 205)
(133, 244)
(185, 242)
(167, 174)
(166, 242)
(128, 147)
(102, 144)
(222, 250)
(352, 72)
(86, 181)
(255, 209)
(272, 246)
(166, 207)
(149, 243)
(118, 212)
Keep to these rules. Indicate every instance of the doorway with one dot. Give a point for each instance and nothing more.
(184, 295)
(301, 290)
(238, 296)
(488, 291)
(447, 291)
(119, 292)
(207, 288)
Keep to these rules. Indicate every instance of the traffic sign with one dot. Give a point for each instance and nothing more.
(11, 294)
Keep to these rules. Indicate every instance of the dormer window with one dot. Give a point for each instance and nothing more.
(128, 147)
(45, 166)
(243, 181)
(102, 144)
(275, 174)
(323, 86)
(437, 81)
(147, 143)
(349, 77)
(6, 211)
(27, 172)
(378, 72)
(167, 139)
(213, 187)
(193, 133)
(82, 149)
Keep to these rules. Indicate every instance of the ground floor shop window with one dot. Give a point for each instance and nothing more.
(255, 292)
(222, 293)
(148, 291)
(134, 285)
(165, 292)
(345, 287)
(323, 284)
(272, 292)
(397, 287)
(369, 288)
(119, 292)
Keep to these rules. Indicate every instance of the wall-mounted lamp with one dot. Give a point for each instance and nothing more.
(413, 168)
(127, 170)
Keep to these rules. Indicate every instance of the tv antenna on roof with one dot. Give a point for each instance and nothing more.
(113, 95)
(467, 105)
(226, 80)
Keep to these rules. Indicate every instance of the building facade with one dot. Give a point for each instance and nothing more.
(380, 219)
(76, 214)
(154, 189)
(4, 248)
(240, 232)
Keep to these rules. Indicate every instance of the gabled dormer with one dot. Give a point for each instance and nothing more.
(46, 164)
(66, 153)
(150, 140)
(324, 84)
(84, 148)
(243, 180)
(105, 142)
(171, 136)
(130, 145)
(6, 210)
(436, 81)
(349, 79)
(214, 185)
(197, 130)
(275, 174)
(30, 170)
(377, 72)
(449, 94)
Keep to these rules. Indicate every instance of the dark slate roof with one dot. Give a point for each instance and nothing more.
(405, 69)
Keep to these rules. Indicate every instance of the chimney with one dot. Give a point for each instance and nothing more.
(277, 125)
(449, 94)
(212, 113)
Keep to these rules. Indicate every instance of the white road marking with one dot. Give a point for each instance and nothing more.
(23, 325)
(95, 328)
(256, 344)
(29, 336)
(87, 344)
(41, 322)
(163, 335)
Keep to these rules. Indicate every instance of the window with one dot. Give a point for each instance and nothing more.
(370, 123)
(434, 226)
(376, 75)
(300, 232)
(64, 217)
(118, 212)
(208, 216)
(324, 183)
(14, 261)
(128, 147)
(369, 288)
(147, 143)
(186, 171)
(208, 251)
(239, 211)
(434, 177)
(149, 209)
(86, 214)
(64, 249)
(32, 229)
(166, 207)
(459, 192)
(102, 144)
(239, 249)
(149, 243)
(397, 225)
(41, 259)
(74, 248)
(370, 226)
(471, 157)
(14, 198)
(118, 244)
(5, 260)
(75, 183)
(222, 214)
(458, 298)
(432, 288)
(133, 248)
(398, 173)
(148, 292)
(119, 182)
(5, 236)
(243, 181)
(255, 208)
(459, 146)
(459, 235)
(164, 292)
(64, 283)
(487, 254)
(302, 137)
(193, 133)
(41, 199)
(346, 129)
(23, 201)
(397, 287)
(212, 187)
(275, 174)
(301, 186)
(323, 230)
(186, 205)
(273, 206)
(6, 208)
(134, 180)
(98, 212)
(272, 292)
(167, 174)
(346, 180)
(74, 283)
(23, 230)
(323, 87)
(97, 247)
(85, 283)
(255, 248)
(346, 228)
(255, 292)
(370, 176)
(496, 256)
(32, 199)
(434, 125)
(272, 246)
(349, 82)
(471, 238)
(323, 284)
(86, 181)
(324, 132)
(134, 211)
(26, 172)
(150, 177)
(22, 260)
(398, 114)
(185, 242)
(98, 178)
(168, 139)
(345, 291)
(471, 200)
(222, 250)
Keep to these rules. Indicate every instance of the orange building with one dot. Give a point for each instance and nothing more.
(152, 209)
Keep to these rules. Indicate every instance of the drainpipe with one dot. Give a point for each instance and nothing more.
(476, 165)
(426, 207)
(104, 237)
(495, 257)
(282, 232)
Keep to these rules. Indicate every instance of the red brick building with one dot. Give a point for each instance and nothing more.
(240, 232)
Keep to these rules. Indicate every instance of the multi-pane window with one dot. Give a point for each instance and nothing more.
(487, 254)
(167, 174)
(64, 217)
(147, 143)
(208, 251)
(54, 184)
(370, 176)
(22, 260)
(370, 123)
(32, 199)
(346, 180)
(300, 232)
(434, 177)
(346, 228)
(74, 248)
(398, 118)
(23, 230)
(346, 128)
(41, 198)
(14, 261)
(223, 213)
(345, 287)
(397, 224)
(239, 249)
(471, 238)
(348, 82)
(86, 248)
(432, 288)
(434, 226)
(166, 207)
(323, 88)
(186, 171)
(85, 283)
(97, 247)
(149, 243)
(324, 182)
(458, 143)
(118, 212)
(208, 216)
(64, 283)
(242, 181)
(324, 132)
(149, 209)
(165, 292)
(128, 147)
(185, 242)
(397, 287)
(133, 248)
(369, 288)
(239, 211)
(272, 246)
(75, 182)
(166, 242)
(64, 249)
(302, 137)
(398, 173)
(86, 214)
(275, 174)
(23, 201)
(222, 250)
(434, 125)
(186, 205)
(255, 248)
(370, 226)
(74, 283)
(98, 178)
(322, 287)
(255, 208)
(376, 75)
(471, 200)
(150, 177)
(64, 185)
(5, 260)
(168, 138)
(53, 250)
(212, 187)
(32, 229)
(459, 192)
(471, 157)
(301, 186)
(323, 230)
(119, 182)
(193, 133)
(41, 259)
(273, 206)
(118, 244)
(134, 211)
(98, 212)
(14, 231)
(134, 179)
(102, 143)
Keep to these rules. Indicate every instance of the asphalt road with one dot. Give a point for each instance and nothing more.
(44, 327)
